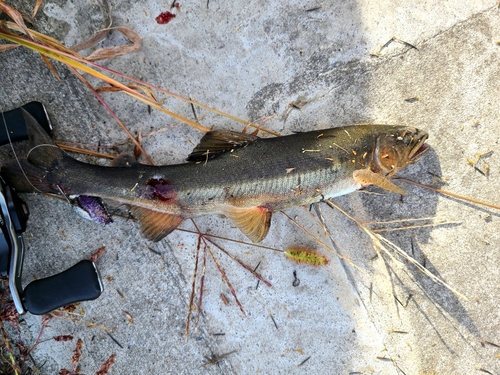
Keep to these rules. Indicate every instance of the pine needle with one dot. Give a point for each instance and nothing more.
(450, 194)
(382, 243)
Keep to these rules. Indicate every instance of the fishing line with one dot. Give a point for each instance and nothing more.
(15, 155)
(40, 145)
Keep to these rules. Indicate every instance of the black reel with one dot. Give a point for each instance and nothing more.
(78, 283)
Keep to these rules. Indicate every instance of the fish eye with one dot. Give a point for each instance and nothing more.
(406, 137)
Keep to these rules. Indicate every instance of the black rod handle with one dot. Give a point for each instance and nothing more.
(78, 283)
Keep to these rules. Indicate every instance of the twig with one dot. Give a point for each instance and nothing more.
(115, 340)
(444, 192)
(379, 241)
(100, 98)
(193, 285)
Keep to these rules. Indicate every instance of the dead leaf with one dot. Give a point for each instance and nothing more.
(101, 34)
(39, 37)
(146, 90)
(50, 66)
(89, 43)
(137, 151)
(111, 52)
(63, 338)
(97, 254)
(106, 365)
(6, 47)
(130, 318)
(68, 308)
(77, 353)
(15, 15)
(37, 5)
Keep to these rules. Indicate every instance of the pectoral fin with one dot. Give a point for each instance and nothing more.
(254, 222)
(155, 225)
(367, 177)
(217, 142)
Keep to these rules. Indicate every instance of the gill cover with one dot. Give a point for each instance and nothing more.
(395, 151)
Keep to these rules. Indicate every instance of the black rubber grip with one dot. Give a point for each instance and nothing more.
(78, 283)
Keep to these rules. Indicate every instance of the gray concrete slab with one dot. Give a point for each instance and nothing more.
(252, 60)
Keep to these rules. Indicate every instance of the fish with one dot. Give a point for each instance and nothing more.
(237, 175)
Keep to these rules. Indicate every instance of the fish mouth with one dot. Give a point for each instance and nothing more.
(420, 147)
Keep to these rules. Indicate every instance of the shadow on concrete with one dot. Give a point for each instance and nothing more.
(420, 203)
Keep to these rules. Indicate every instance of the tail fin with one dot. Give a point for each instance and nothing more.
(24, 177)
(44, 158)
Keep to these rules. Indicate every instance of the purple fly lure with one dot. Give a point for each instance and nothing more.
(91, 208)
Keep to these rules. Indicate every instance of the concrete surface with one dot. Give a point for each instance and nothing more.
(252, 59)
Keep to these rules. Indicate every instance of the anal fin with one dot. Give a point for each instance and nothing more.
(155, 225)
(254, 222)
(367, 177)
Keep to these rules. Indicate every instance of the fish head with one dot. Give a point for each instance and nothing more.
(397, 148)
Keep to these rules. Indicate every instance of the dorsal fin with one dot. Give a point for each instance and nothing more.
(367, 177)
(155, 225)
(217, 142)
(254, 222)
